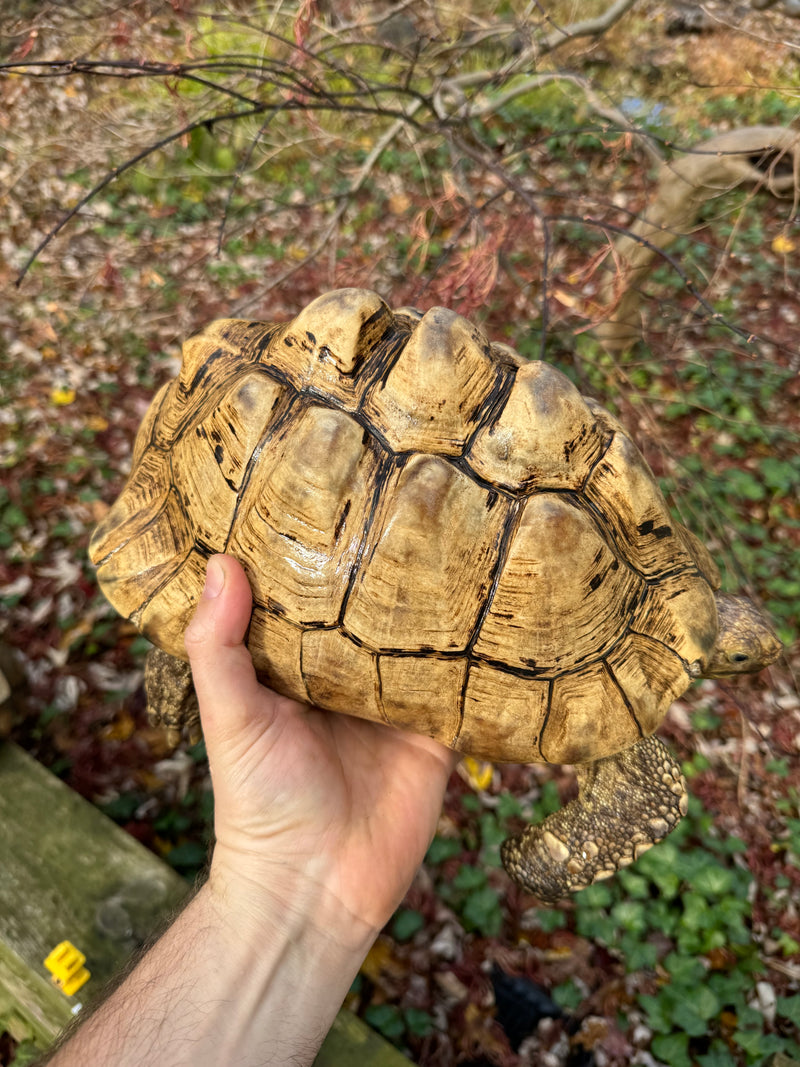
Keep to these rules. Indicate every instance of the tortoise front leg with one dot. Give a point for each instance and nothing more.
(626, 804)
(171, 699)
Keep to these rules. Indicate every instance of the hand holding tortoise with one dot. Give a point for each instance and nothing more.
(442, 537)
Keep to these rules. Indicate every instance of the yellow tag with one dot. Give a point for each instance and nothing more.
(66, 966)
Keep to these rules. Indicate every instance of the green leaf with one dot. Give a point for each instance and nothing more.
(441, 849)
(567, 995)
(386, 1019)
(741, 483)
(757, 1044)
(639, 955)
(672, 1049)
(26, 1054)
(789, 1008)
(659, 1016)
(492, 836)
(714, 881)
(418, 1022)
(407, 922)
(630, 914)
(685, 970)
(779, 474)
(687, 1017)
(122, 807)
(14, 517)
(595, 896)
(636, 887)
(140, 646)
(468, 878)
(508, 806)
(706, 1003)
(482, 912)
(549, 919)
(717, 1056)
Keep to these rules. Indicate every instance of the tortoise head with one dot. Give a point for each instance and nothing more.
(746, 641)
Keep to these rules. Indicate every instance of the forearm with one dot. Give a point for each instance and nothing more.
(224, 985)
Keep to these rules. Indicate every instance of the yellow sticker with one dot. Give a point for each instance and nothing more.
(66, 966)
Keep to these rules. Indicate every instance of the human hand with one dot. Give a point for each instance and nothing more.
(321, 821)
(326, 812)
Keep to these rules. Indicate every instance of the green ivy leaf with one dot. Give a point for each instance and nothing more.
(418, 1022)
(407, 922)
(469, 878)
(685, 970)
(441, 849)
(717, 1056)
(789, 1008)
(672, 1049)
(658, 1015)
(386, 1019)
(482, 912)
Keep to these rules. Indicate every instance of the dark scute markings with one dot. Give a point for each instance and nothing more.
(387, 461)
(624, 696)
(649, 527)
(501, 553)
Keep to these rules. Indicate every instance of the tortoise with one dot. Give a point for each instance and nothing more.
(441, 536)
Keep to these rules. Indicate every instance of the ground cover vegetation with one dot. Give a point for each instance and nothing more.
(200, 161)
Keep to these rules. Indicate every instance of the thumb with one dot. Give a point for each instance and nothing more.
(225, 680)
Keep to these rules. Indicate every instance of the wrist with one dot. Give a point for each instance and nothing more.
(273, 902)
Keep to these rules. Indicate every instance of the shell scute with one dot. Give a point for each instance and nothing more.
(634, 512)
(333, 666)
(430, 396)
(650, 674)
(589, 718)
(545, 436)
(300, 522)
(144, 496)
(326, 347)
(209, 464)
(423, 693)
(152, 553)
(165, 615)
(144, 435)
(561, 594)
(427, 562)
(680, 611)
(209, 359)
(504, 715)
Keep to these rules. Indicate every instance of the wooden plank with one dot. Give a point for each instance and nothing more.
(69, 873)
(31, 1008)
(351, 1041)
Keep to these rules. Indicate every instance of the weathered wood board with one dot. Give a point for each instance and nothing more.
(69, 873)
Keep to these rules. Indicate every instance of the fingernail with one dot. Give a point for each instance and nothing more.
(215, 578)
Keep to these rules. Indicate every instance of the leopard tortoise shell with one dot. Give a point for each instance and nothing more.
(440, 536)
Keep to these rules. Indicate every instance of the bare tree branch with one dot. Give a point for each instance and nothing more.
(751, 155)
(588, 27)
